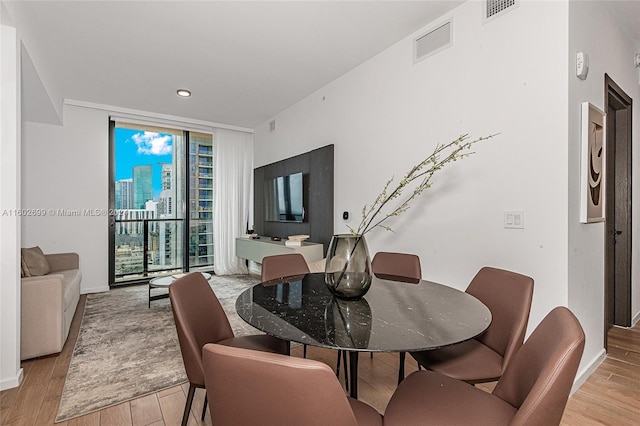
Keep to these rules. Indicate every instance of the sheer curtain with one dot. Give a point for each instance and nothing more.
(233, 188)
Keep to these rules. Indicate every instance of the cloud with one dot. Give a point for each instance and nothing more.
(151, 143)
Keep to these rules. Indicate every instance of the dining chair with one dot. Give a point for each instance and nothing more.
(199, 320)
(249, 388)
(508, 296)
(533, 390)
(280, 266)
(402, 267)
(397, 267)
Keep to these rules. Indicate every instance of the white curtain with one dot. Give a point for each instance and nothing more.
(233, 191)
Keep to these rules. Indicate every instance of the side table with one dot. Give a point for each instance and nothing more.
(165, 282)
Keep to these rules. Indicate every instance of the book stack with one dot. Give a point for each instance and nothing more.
(295, 240)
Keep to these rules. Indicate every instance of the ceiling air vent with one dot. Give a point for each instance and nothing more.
(433, 41)
(496, 8)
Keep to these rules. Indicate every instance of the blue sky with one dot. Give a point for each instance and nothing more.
(134, 148)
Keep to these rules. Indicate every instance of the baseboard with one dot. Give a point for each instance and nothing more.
(588, 369)
(12, 382)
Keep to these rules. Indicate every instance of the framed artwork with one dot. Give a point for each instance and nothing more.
(592, 193)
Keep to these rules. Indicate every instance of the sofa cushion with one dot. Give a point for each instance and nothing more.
(34, 263)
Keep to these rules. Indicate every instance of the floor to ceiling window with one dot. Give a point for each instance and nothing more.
(161, 198)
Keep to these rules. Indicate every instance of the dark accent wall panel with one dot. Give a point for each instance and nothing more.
(317, 170)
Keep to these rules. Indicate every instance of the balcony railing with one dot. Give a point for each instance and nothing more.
(200, 242)
(151, 247)
(147, 247)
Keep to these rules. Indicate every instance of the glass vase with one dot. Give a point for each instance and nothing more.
(348, 266)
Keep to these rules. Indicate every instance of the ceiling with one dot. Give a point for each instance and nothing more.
(244, 61)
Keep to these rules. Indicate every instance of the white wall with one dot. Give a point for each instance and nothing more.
(51, 110)
(66, 167)
(507, 76)
(10, 371)
(611, 52)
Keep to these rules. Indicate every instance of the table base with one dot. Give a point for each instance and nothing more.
(156, 296)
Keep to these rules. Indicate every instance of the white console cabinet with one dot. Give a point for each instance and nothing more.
(256, 250)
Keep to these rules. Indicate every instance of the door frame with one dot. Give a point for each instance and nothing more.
(617, 295)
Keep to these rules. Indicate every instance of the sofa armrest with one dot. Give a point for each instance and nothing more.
(63, 261)
(42, 307)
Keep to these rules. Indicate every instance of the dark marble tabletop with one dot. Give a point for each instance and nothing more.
(392, 316)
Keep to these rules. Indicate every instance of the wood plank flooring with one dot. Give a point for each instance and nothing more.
(611, 396)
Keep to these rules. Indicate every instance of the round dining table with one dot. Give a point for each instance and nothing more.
(393, 316)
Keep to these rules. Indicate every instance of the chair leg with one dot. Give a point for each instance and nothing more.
(204, 407)
(401, 367)
(304, 351)
(187, 407)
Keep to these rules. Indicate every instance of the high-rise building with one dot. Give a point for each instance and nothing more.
(167, 197)
(124, 194)
(142, 185)
(129, 239)
(201, 200)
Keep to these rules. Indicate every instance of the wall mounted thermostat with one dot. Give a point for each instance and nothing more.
(582, 65)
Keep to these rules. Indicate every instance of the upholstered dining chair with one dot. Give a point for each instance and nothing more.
(532, 391)
(281, 266)
(397, 266)
(392, 266)
(249, 388)
(200, 319)
(508, 296)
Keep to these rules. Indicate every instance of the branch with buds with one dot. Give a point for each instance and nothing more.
(419, 177)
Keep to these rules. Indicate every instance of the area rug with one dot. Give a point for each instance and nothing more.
(126, 350)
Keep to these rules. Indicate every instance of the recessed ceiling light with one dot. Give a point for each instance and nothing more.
(184, 93)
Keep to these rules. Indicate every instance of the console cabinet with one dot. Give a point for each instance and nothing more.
(256, 250)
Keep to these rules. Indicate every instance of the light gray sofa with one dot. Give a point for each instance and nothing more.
(48, 303)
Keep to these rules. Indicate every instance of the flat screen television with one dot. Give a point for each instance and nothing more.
(283, 199)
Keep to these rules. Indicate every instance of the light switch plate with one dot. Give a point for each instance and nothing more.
(514, 219)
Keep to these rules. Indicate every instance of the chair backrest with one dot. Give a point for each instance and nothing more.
(538, 379)
(508, 296)
(283, 265)
(246, 387)
(199, 319)
(387, 265)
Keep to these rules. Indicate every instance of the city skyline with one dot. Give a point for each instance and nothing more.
(151, 215)
(142, 148)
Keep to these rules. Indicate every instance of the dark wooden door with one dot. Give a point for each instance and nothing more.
(618, 207)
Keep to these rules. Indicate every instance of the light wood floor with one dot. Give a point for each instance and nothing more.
(611, 396)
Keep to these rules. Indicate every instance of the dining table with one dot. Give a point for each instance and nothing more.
(393, 316)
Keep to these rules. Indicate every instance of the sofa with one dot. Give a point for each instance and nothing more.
(50, 295)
